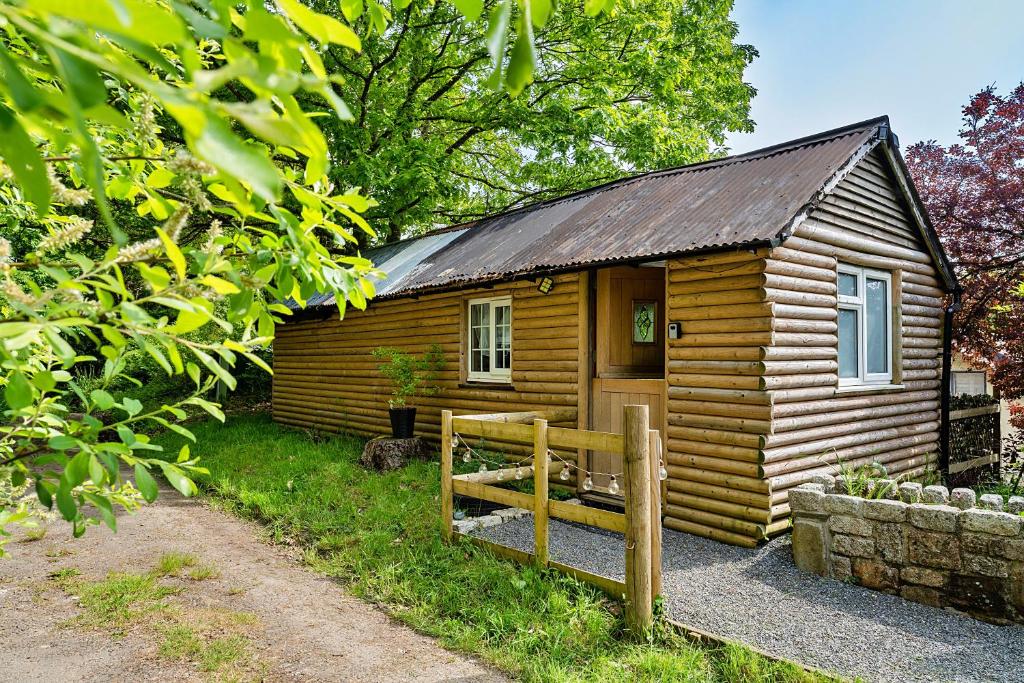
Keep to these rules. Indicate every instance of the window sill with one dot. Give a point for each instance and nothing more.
(490, 386)
(868, 389)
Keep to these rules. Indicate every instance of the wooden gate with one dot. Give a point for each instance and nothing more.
(638, 447)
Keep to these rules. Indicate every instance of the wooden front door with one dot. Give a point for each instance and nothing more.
(630, 358)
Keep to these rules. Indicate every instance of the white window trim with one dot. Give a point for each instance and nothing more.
(503, 375)
(857, 303)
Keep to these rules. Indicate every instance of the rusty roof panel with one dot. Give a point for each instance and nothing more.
(726, 203)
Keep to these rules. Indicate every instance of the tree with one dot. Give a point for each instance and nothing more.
(184, 133)
(657, 85)
(974, 193)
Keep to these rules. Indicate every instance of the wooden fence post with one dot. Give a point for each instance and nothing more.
(655, 465)
(540, 491)
(637, 473)
(446, 474)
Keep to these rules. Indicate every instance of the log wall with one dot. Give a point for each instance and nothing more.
(326, 378)
(718, 409)
(862, 222)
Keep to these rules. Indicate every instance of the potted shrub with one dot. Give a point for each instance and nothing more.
(409, 375)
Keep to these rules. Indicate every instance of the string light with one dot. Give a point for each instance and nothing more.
(662, 471)
(613, 486)
(519, 472)
(588, 483)
(564, 474)
(467, 456)
(483, 468)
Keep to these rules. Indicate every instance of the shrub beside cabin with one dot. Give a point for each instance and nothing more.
(779, 311)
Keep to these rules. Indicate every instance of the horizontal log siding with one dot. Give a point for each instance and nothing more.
(718, 410)
(862, 222)
(326, 378)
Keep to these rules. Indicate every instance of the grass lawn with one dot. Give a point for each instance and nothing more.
(379, 535)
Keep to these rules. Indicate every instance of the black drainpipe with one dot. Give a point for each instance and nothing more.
(947, 372)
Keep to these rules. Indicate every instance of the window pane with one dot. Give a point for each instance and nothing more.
(970, 383)
(847, 284)
(848, 343)
(502, 337)
(645, 318)
(877, 307)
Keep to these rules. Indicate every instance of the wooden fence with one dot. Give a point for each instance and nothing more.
(640, 524)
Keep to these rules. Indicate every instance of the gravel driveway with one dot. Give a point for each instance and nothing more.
(760, 597)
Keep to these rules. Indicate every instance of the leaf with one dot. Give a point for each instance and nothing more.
(44, 380)
(77, 470)
(102, 399)
(66, 503)
(173, 253)
(219, 285)
(62, 442)
(25, 96)
(219, 146)
(325, 29)
(131, 406)
(96, 472)
(497, 39)
(523, 58)
(22, 156)
(352, 9)
(145, 483)
(18, 392)
(471, 9)
(43, 493)
(179, 480)
(149, 21)
(160, 177)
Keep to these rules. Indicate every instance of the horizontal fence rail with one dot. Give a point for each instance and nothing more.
(640, 523)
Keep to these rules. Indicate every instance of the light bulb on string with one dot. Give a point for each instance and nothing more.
(588, 483)
(662, 471)
(455, 442)
(519, 472)
(564, 474)
(483, 467)
(467, 456)
(501, 474)
(613, 486)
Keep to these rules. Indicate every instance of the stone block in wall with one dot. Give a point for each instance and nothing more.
(991, 501)
(853, 546)
(827, 481)
(935, 495)
(890, 543)
(924, 595)
(1010, 548)
(845, 524)
(1015, 594)
(910, 492)
(807, 498)
(991, 522)
(964, 499)
(838, 504)
(934, 517)
(810, 545)
(840, 568)
(876, 575)
(933, 549)
(986, 566)
(1015, 505)
(885, 510)
(924, 577)
(977, 544)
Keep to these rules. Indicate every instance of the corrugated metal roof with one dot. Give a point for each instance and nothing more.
(726, 203)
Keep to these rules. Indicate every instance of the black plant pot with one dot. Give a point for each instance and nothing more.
(403, 421)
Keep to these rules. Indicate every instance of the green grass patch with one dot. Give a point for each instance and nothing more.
(379, 534)
(116, 602)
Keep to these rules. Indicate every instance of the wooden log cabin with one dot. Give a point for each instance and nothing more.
(780, 311)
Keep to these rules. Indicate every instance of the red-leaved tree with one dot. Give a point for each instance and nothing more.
(974, 193)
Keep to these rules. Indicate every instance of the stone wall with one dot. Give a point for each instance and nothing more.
(920, 543)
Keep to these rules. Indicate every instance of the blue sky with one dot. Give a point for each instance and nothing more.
(826, 63)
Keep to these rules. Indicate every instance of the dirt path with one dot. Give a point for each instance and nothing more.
(239, 608)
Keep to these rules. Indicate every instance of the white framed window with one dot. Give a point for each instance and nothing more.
(865, 326)
(490, 339)
(970, 383)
